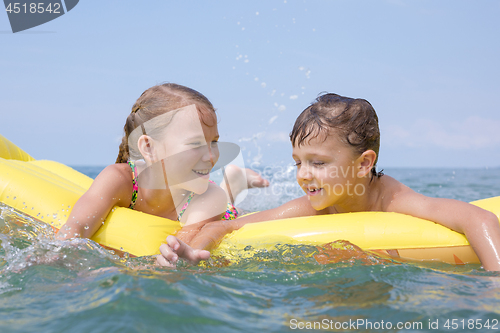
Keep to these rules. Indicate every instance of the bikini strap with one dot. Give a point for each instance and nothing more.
(135, 187)
(184, 207)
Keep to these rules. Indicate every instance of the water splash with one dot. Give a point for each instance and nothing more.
(344, 252)
(27, 242)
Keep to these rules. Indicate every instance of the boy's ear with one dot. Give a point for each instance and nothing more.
(146, 148)
(365, 163)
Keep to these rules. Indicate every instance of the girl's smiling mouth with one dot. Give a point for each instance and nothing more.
(204, 173)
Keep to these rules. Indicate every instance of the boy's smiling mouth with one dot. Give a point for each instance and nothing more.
(312, 190)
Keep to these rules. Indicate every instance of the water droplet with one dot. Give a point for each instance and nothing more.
(86, 227)
(14, 198)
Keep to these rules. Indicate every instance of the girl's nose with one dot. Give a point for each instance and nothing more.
(211, 154)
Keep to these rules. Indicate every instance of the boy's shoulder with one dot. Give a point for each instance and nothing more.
(391, 191)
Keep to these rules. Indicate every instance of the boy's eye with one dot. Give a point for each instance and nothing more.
(297, 163)
(318, 163)
(215, 143)
(196, 143)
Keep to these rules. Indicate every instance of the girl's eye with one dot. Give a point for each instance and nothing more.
(197, 143)
(297, 163)
(215, 143)
(318, 163)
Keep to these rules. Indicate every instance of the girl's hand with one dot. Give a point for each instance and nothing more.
(175, 248)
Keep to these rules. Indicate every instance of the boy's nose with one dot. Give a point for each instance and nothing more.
(304, 173)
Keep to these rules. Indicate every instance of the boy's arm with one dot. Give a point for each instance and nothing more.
(212, 233)
(481, 227)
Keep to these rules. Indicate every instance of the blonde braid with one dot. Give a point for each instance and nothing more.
(123, 151)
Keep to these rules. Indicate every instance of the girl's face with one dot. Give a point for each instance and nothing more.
(327, 171)
(188, 150)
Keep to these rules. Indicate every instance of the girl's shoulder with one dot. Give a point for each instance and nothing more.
(116, 171)
(214, 194)
(115, 177)
(209, 205)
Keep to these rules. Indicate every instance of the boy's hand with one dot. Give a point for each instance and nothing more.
(212, 233)
(175, 249)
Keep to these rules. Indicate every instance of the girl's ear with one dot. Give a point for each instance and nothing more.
(147, 149)
(365, 163)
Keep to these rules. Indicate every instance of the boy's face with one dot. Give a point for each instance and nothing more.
(326, 170)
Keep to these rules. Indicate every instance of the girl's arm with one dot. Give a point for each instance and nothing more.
(111, 187)
(481, 227)
(175, 248)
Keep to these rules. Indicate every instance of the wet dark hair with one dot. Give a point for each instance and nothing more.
(355, 120)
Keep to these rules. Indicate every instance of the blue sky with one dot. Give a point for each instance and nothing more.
(430, 69)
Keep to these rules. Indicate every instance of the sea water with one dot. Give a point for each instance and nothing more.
(77, 286)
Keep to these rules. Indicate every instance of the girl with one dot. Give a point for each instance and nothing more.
(166, 155)
(335, 147)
